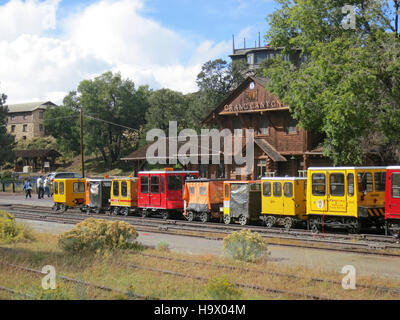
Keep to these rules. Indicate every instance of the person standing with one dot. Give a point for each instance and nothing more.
(46, 186)
(40, 184)
(28, 189)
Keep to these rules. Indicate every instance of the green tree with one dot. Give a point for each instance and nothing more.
(347, 86)
(7, 141)
(165, 106)
(112, 106)
(63, 124)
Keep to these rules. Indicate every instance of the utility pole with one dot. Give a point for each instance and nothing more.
(396, 6)
(82, 156)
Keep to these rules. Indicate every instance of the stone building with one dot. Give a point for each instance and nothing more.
(25, 121)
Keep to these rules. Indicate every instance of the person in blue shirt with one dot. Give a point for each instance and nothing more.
(28, 189)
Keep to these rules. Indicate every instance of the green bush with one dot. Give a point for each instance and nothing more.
(246, 246)
(96, 235)
(219, 288)
(11, 231)
(60, 293)
(163, 245)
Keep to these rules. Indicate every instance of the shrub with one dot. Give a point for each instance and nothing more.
(60, 293)
(219, 288)
(163, 245)
(246, 246)
(96, 235)
(11, 231)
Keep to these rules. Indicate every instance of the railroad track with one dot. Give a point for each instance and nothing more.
(361, 243)
(71, 280)
(392, 290)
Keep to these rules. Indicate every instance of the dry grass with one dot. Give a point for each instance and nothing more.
(111, 269)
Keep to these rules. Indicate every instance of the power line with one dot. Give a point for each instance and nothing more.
(109, 122)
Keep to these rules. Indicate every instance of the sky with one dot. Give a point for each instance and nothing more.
(47, 47)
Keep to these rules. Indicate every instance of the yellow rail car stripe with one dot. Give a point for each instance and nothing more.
(371, 212)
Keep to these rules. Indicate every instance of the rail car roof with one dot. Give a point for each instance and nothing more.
(284, 178)
(393, 168)
(346, 168)
(169, 172)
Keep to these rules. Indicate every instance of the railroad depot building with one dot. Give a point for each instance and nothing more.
(25, 121)
(280, 146)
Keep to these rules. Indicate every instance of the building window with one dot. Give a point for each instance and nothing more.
(291, 126)
(24, 138)
(263, 126)
(41, 115)
(25, 128)
(41, 127)
(13, 128)
(203, 170)
(261, 168)
(12, 117)
(25, 116)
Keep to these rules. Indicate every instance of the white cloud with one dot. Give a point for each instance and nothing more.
(106, 35)
(34, 17)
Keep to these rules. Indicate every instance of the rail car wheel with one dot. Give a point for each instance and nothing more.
(144, 214)
(55, 207)
(393, 231)
(227, 219)
(98, 211)
(288, 223)
(63, 207)
(165, 215)
(269, 222)
(125, 212)
(204, 217)
(243, 220)
(314, 226)
(190, 216)
(115, 211)
(354, 226)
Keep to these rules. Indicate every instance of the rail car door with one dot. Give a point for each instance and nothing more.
(174, 195)
(319, 197)
(155, 195)
(276, 202)
(337, 195)
(144, 190)
(393, 189)
(288, 199)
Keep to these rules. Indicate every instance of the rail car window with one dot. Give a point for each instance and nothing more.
(267, 189)
(55, 187)
(277, 189)
(116, 188)
(79, 187)
(174, 183)
(144, 185)
(61, 188)
(365, 183)
(318, 184)
(124, 189)
(155, 185)
(305, 188)
(288, 189)
(396, 185)
(191, 190)
(350, 184)
(162, 185)
(203, 191)
(380, 181)
(336, 182)
(226, 191)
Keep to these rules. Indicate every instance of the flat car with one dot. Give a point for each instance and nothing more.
(69, 193)
(203, 199)
(124, 196)
(161, 192)
(283, 201)
(98, 195)
(392, 201)
(346, 197)
(242, 201)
